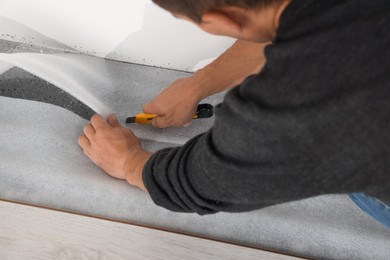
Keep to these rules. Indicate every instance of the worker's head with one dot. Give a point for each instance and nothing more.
(254, 20)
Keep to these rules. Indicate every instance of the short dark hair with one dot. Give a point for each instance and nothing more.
(194, 9)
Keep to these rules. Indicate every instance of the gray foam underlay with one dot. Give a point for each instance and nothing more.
(39, 140)
(42, 164)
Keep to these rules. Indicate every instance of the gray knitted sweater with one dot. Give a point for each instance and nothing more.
(315, 120)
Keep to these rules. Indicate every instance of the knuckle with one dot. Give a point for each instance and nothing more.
(101, 133)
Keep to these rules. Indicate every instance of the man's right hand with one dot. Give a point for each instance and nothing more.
(176, 105)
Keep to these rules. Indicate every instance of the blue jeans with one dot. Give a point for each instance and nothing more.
(373, 207)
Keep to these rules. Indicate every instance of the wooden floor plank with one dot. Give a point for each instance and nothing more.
(28, 232)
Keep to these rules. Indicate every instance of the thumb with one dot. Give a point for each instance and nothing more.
(150, 108)
(113, 120)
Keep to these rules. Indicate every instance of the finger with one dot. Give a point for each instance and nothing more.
(98, 121)
(88, 154)
(84, 142)
(113, 120)
(149, 108)
(89, 131)
(187, 124)
(152, 108)
(160, 122)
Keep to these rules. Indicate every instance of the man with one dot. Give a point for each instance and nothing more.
(307, 113)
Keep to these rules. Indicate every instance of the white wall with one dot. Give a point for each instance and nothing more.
(129, 30)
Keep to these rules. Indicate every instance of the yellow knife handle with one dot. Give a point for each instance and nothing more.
(144, 118)
(203, 111)
(147, 118)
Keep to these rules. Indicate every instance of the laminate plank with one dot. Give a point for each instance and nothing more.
(28, 232)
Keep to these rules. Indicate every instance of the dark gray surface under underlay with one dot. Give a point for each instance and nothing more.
(16, 83)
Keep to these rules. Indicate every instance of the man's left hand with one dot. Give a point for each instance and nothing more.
(115, 149)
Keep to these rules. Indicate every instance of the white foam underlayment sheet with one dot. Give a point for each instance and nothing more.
(108, 87)
(42, 164)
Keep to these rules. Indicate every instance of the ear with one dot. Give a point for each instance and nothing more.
(220, 23)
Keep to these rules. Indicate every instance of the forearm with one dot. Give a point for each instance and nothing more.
(231, 68)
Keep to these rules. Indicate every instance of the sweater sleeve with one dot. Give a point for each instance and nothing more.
(257, 156)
